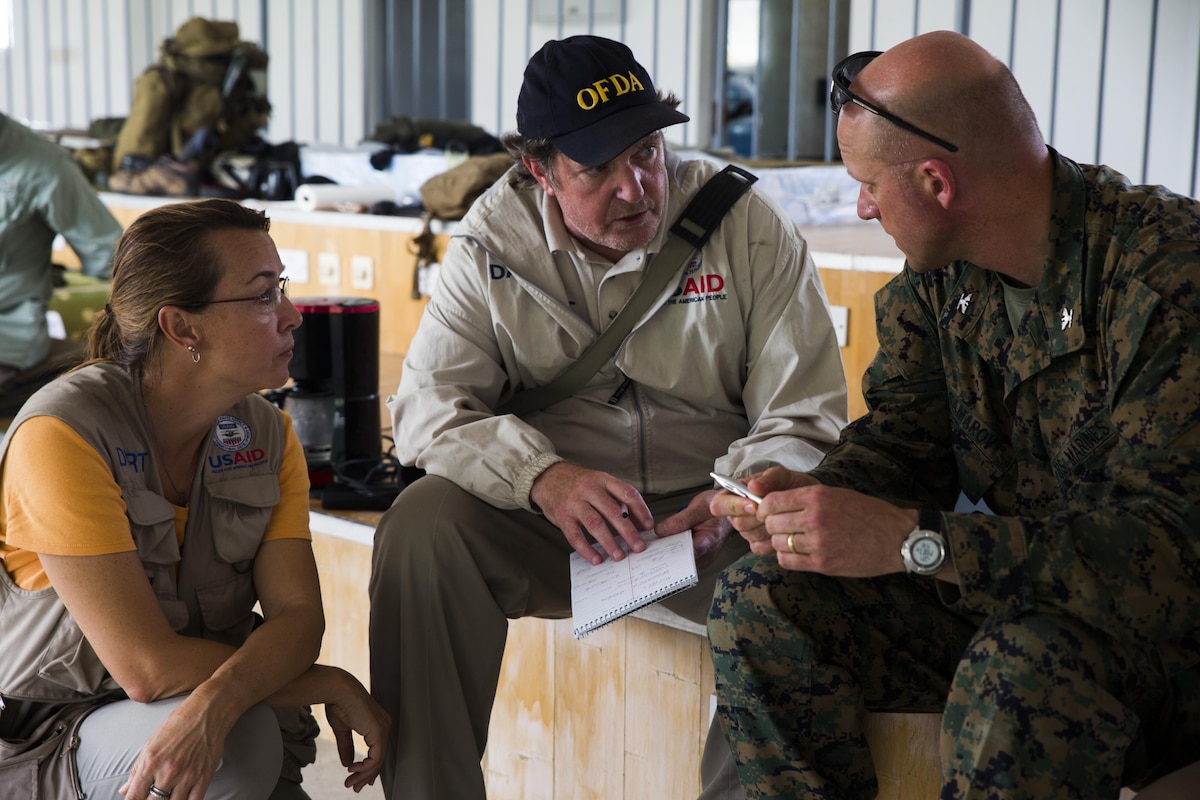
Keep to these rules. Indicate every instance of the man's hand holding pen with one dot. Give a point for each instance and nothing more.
(584, 502)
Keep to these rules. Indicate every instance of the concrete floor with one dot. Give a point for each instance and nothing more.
(324, 779)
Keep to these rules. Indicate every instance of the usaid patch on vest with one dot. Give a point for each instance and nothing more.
(231, 434)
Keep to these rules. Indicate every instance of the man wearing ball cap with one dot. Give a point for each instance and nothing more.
(735, 368)
(590, 98)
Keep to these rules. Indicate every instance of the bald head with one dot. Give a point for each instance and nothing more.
(988, 201)
(948, 85)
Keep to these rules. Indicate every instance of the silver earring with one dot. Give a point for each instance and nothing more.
(195, 354)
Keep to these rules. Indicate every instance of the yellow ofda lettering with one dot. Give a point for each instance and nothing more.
(591, 96)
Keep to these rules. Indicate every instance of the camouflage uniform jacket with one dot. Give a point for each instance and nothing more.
(1079, 430)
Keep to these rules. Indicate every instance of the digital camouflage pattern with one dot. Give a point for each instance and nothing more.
(1080, 431)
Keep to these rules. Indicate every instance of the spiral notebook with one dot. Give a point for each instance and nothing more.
(605, 592)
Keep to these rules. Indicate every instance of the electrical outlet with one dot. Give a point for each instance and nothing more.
(841, 324)
(329, 269)
(362, 273)
(295, 264)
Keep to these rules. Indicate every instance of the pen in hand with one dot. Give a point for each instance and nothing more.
(737, 487)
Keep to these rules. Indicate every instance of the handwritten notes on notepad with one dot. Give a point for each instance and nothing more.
(608, 591)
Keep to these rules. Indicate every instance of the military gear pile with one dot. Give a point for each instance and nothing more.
(449, 194)
(164, 177)
(206, 95)
(410, 134)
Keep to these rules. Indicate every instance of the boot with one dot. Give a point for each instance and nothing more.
(164, 177)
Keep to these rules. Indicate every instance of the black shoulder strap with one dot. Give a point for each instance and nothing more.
(702, 216)
(689, 233)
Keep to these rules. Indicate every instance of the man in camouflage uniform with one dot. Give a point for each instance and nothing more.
(1040, 352)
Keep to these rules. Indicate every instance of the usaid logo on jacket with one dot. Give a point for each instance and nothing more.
(698, 288)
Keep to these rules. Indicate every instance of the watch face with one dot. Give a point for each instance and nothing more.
(925, 552)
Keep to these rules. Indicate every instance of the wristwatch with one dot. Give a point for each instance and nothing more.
(924, 551)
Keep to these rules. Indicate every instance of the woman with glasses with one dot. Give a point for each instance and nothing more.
(160, 613)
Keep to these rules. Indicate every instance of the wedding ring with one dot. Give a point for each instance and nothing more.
(158, 794)
(792, 544)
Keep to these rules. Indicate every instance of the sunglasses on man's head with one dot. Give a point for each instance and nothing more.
(839, 94)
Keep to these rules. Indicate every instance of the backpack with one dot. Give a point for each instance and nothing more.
(207, 88)
(449, 194)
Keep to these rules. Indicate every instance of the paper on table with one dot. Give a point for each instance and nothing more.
(608, 591)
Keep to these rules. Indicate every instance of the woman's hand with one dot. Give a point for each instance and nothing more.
(355, 710)
(182, 755)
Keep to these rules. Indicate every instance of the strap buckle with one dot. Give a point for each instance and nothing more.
(698, 221)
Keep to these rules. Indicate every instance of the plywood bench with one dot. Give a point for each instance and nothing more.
(621, 713)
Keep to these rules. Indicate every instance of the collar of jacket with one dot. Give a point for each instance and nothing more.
(1056, 323)
(491, 220)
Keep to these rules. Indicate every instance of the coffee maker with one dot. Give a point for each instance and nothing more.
(334, 402)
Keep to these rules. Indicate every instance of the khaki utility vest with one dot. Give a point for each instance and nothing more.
(208, 594)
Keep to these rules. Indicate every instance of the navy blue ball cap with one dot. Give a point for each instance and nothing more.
(591, 98)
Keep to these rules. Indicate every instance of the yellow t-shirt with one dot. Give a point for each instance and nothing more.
(58, 496)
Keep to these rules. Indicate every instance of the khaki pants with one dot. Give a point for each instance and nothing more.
(449, 572)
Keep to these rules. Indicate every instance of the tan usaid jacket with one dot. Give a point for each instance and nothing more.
(736, 367)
